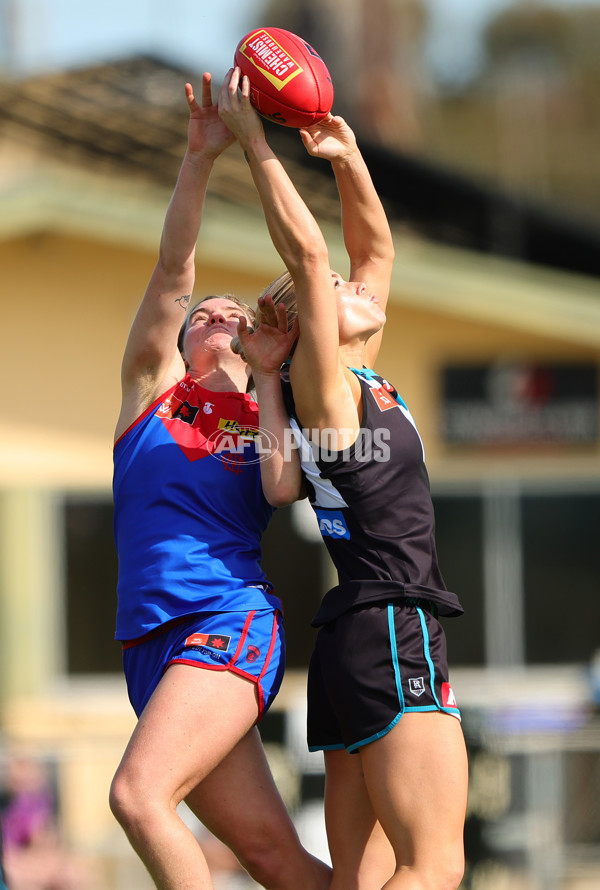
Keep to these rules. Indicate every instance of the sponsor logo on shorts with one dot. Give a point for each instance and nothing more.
(332, 524)
(252, 653)
(416, 685)
(210, 653)
(448, 699)
(220, 642)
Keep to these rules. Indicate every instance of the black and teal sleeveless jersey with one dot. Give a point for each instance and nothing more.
(373, 505)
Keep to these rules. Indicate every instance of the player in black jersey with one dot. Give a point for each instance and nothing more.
(380, 704)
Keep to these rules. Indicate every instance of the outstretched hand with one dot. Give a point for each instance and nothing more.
(267, 347)
(236, 110)
(331, 139)
(206, 131)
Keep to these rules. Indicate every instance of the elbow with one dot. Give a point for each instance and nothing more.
(308, 256)
(283, 492)
(283, 496)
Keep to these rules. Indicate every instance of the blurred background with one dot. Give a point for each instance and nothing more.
(480, 122)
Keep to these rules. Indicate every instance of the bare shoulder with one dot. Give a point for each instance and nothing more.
(138, 397)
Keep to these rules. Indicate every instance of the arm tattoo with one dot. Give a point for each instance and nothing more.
(183, 301)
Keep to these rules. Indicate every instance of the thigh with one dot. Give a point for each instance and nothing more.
(193, 720)
(416, 776)
(240, 804)
(361, 854)
(239, 799)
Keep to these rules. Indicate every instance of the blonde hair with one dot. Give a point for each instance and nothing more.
(283, 291)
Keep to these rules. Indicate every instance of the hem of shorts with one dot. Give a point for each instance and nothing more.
(225, 667)
(314, 748)
(452, 712)
(352, 749)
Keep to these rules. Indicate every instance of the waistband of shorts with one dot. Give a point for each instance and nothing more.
(175, 622)
(417, 602)
(352, 595)
(156, 632)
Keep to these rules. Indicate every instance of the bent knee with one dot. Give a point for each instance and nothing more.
(261, 859)
(272, 863)
(448, 875)
(119, 798)
(128, 801)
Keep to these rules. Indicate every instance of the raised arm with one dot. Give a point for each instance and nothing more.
(152, 363)
(367, 234)
(266, 349)
(298, 240)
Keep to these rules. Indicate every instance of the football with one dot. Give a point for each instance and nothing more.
(289, 81)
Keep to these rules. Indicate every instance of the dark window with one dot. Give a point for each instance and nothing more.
(91, 587)
(460, 554)
(294, 566)
(561, 561)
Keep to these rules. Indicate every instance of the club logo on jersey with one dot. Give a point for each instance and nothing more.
(332, 523)
(416, 685)
(448, 699)
(252, 653)
(185, 412)
(220, 642)
(384, 398)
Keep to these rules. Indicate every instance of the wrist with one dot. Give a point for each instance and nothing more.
(203, 157)
(266, 376)
(255, 147)
(349, 158)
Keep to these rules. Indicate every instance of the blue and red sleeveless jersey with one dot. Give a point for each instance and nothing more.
(189, 510)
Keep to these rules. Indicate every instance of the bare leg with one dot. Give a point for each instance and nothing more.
(194, 719)
(240, 804)
(362, 856)
(416, 776)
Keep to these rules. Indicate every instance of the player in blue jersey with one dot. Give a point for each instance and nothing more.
(201, 627)
(379, 702)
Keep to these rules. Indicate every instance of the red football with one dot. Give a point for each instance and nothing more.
(289, 81)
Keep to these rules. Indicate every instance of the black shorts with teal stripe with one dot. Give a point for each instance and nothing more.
(369, 667)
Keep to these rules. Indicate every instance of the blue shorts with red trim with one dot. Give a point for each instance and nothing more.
(250, 644)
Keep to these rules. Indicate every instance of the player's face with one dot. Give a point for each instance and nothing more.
(212, 325)
(359, 312)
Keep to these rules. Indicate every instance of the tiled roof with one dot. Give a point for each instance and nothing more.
(130, 116)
